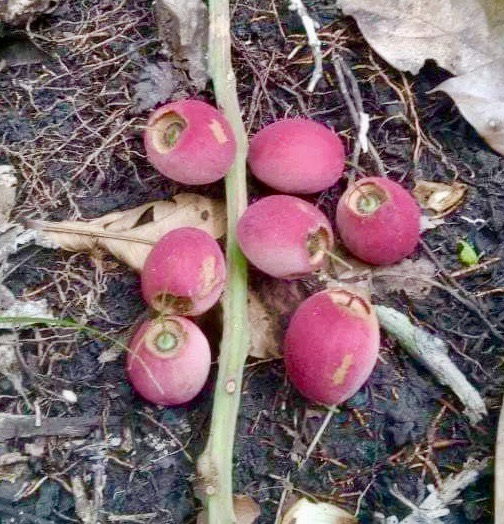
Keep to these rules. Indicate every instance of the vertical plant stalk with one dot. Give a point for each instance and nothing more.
(215, 465)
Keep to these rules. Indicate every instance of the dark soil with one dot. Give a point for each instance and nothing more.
(402, 428)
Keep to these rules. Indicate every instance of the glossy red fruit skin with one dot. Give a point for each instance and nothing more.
(330, 348)
(297, 155)
(277, 235)
(386, 235)
(204, 150)
(168, 378)
(185, 273)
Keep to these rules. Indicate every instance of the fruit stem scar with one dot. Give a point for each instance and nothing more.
(172, 133)
(366, 198)
(341, 372)
(166, 341)
(368, 203)
(167, 130)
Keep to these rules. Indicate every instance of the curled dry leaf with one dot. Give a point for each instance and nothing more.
(110, 354)
(265, 329)
(129, 235)
(479, 97)
(459, 36)
(439, 197)
(305, 512)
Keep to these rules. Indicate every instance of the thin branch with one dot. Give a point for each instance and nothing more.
(360, 118)
(330, 412)
(432, 352)
(311, 27)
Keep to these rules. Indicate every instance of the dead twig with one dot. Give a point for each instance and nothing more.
(432, 352)
(359, 117)
(311, 27)
(24, 426)
(474, 269)
(330, 412)
(437, 502)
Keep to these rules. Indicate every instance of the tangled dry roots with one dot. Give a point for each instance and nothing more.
(76, 104)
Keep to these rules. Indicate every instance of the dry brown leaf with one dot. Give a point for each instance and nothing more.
(246, 509)
(414, 277)
(183, 29)
(306, 512)
(157, 84)
(439, 197)
(129, 235)
(459, 36)
(281, 296)
(411, 276)
(478, 95)
(265, 329)
(465, 37)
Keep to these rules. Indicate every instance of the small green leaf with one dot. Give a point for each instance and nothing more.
(467, 253)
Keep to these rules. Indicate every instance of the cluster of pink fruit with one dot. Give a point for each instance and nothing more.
(332, 341)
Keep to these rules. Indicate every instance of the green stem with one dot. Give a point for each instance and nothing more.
(215, 465)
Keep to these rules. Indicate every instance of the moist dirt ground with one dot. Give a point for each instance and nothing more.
(70, 125)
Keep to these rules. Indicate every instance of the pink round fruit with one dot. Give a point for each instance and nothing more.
(331, 345)
(185, 273)
(190, 142)
(168, 360)
(378, 220)
(285, 236)
(296, 155)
